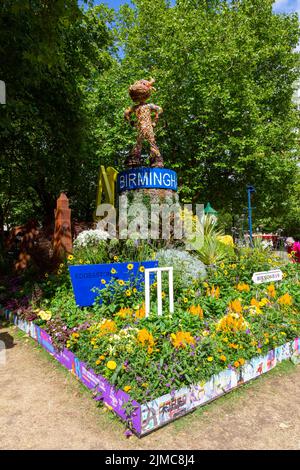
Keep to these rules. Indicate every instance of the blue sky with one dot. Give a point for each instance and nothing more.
(280, 6)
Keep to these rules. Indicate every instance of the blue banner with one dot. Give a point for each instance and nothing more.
(85, 277)
(143, 177)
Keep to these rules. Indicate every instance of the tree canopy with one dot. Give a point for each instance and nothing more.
(225, 75)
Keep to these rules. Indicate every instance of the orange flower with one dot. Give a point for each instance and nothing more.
(146, 339)
(106, 327)
(213, 292)
(271, 290)
(124, 312)
(181, 339)
(243, 287)
(196, 310)
(140, 312)
(223, 358)
(232, 322)
(236, 306)
(285, 299)
(236, 364)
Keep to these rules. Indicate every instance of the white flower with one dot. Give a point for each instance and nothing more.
(89, 238)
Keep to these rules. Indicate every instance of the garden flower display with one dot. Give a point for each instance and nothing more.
(221, 319)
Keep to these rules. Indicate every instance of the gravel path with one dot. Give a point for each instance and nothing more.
(42, 406)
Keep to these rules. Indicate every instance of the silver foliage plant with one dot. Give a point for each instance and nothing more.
(187, 267)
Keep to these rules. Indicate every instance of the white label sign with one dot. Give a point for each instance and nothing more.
(267, 276)
(2, 92)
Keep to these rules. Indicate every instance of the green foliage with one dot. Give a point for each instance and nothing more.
(225, 75)
(50, 52)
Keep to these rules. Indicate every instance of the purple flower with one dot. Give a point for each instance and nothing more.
(259, 344)
(247, 331)
(230, 367)
(168, 385)
(173, 392)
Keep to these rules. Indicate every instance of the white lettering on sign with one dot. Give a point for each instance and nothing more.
(267, 276)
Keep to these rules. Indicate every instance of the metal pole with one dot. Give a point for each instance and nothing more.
(249, 189)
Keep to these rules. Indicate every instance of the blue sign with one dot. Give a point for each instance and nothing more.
(85, 277)
(143, 177)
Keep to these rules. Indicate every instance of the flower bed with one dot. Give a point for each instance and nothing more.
(143, 418)
(225, 330)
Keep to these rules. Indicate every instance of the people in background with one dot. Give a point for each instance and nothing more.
(293, 248)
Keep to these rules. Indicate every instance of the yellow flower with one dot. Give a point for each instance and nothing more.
(205, 333)
(100, 359)
(145, 384)
(80, 261)
(124, 312)
(236, 306)
(181, 339)
(107, 327)
(121, 282)
(243, 287)
(134, 290)
(225, 272)
(103, 281)
(196, 310)
(185, 300)
(205, 284)
(223, 358)
(127, 388)
(142, 269)
(46, 316)
(128, 292)
(70, 257)
(111, 365)
(259, 350)
(285, 299)
(75, 335)
(236, 364)
(130, 266)
(242, 361)
(271, 290)
(210, 358)
(222, 265)
(113, 271)
(46, 274)
(116, 258)
(146, 339)
(163, 294)
(225, 339)
(61, 265)
(226, 240)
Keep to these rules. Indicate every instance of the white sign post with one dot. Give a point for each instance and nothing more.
(159, 291)
(267, 276)
(2, 93)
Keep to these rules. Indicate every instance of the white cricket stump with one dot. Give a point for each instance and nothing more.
(158, 272)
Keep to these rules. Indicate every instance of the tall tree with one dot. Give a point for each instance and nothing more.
(225, 74)
(50, 54)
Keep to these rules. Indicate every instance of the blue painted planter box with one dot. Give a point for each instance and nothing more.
(85, 277)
